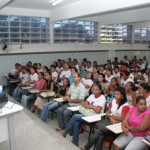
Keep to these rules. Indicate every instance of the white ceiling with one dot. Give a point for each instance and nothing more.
(38, 4)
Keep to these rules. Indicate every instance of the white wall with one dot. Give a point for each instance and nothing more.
(7, 62)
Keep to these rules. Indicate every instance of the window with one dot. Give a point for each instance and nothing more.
(24, 29)
(142, 36)
(75, 31)
(117, 33)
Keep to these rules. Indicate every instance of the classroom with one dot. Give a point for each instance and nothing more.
(74, 74)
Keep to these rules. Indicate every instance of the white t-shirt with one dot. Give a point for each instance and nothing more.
(108, 79)
(39, 70)
(145, 77)
(100, 101)
(65, 74)
(34, 77)
(89, 69)
(24, 77)
(116, 75)
(77, 67)
(131, 76)
(142, 66)
(124, 82)
(88, 82)
(55, 75)
(59, 69)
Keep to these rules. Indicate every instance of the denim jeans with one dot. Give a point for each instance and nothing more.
(52, 105)
(64, 115)
(17, 93)
(73, 127)
(25, 99)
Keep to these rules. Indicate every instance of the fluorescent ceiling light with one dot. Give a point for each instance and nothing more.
(56, 2)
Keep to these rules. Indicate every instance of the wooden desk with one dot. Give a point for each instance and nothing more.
(115, 128)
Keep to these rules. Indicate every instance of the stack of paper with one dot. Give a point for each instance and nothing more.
(59, 99)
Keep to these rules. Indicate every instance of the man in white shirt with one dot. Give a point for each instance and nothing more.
(54, 73)
(66, 73)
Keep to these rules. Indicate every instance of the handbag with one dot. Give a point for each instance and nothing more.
(87, 112)
(47, 94)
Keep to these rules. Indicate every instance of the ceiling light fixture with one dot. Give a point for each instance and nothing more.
(56, 2)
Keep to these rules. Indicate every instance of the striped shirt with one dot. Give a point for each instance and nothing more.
(76, 92)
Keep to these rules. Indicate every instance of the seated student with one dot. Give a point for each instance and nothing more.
(145, 75)
(40, 84)
(108, 76)
(135, 126)
(49, 87)
(130, 93)
(144, 89)
(54, 73)
(129, 70)
(76, 65)
(59, 68)
(125, 79)
(66, 73)
(73, 70)
(95, 74)
(24, 77)
(102, 82)
(89, 68)
(83, 71)
(94, 104)
(33, 78)
(39, 67)
(76, 95)
(102, 69)
(45, 69)
(116, 72)
(13, 71)
(137, 74)
(111, 88)
(87, 82)
(53, 105)
(116, 112)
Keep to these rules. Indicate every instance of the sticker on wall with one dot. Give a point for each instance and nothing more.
(111, 54)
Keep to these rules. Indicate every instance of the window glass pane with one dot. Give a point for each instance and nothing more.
(25, 29)
(44, 25)
(4, 35)
(35, 29)
(2, 17)
(35, 41)
(35, 36)
(15, 40)
(14, 23)
(45, 36)
(35, 19)
(45, 30)
(25, 24)
(35, 24)
(3, 29)
(74, 31)
(14, 29)
(14, 18)
(15, 35)
(25, 18)
(3, 23)
(45, 40)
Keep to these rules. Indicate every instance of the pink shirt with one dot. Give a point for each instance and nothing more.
(136, 120)
(39, 83)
